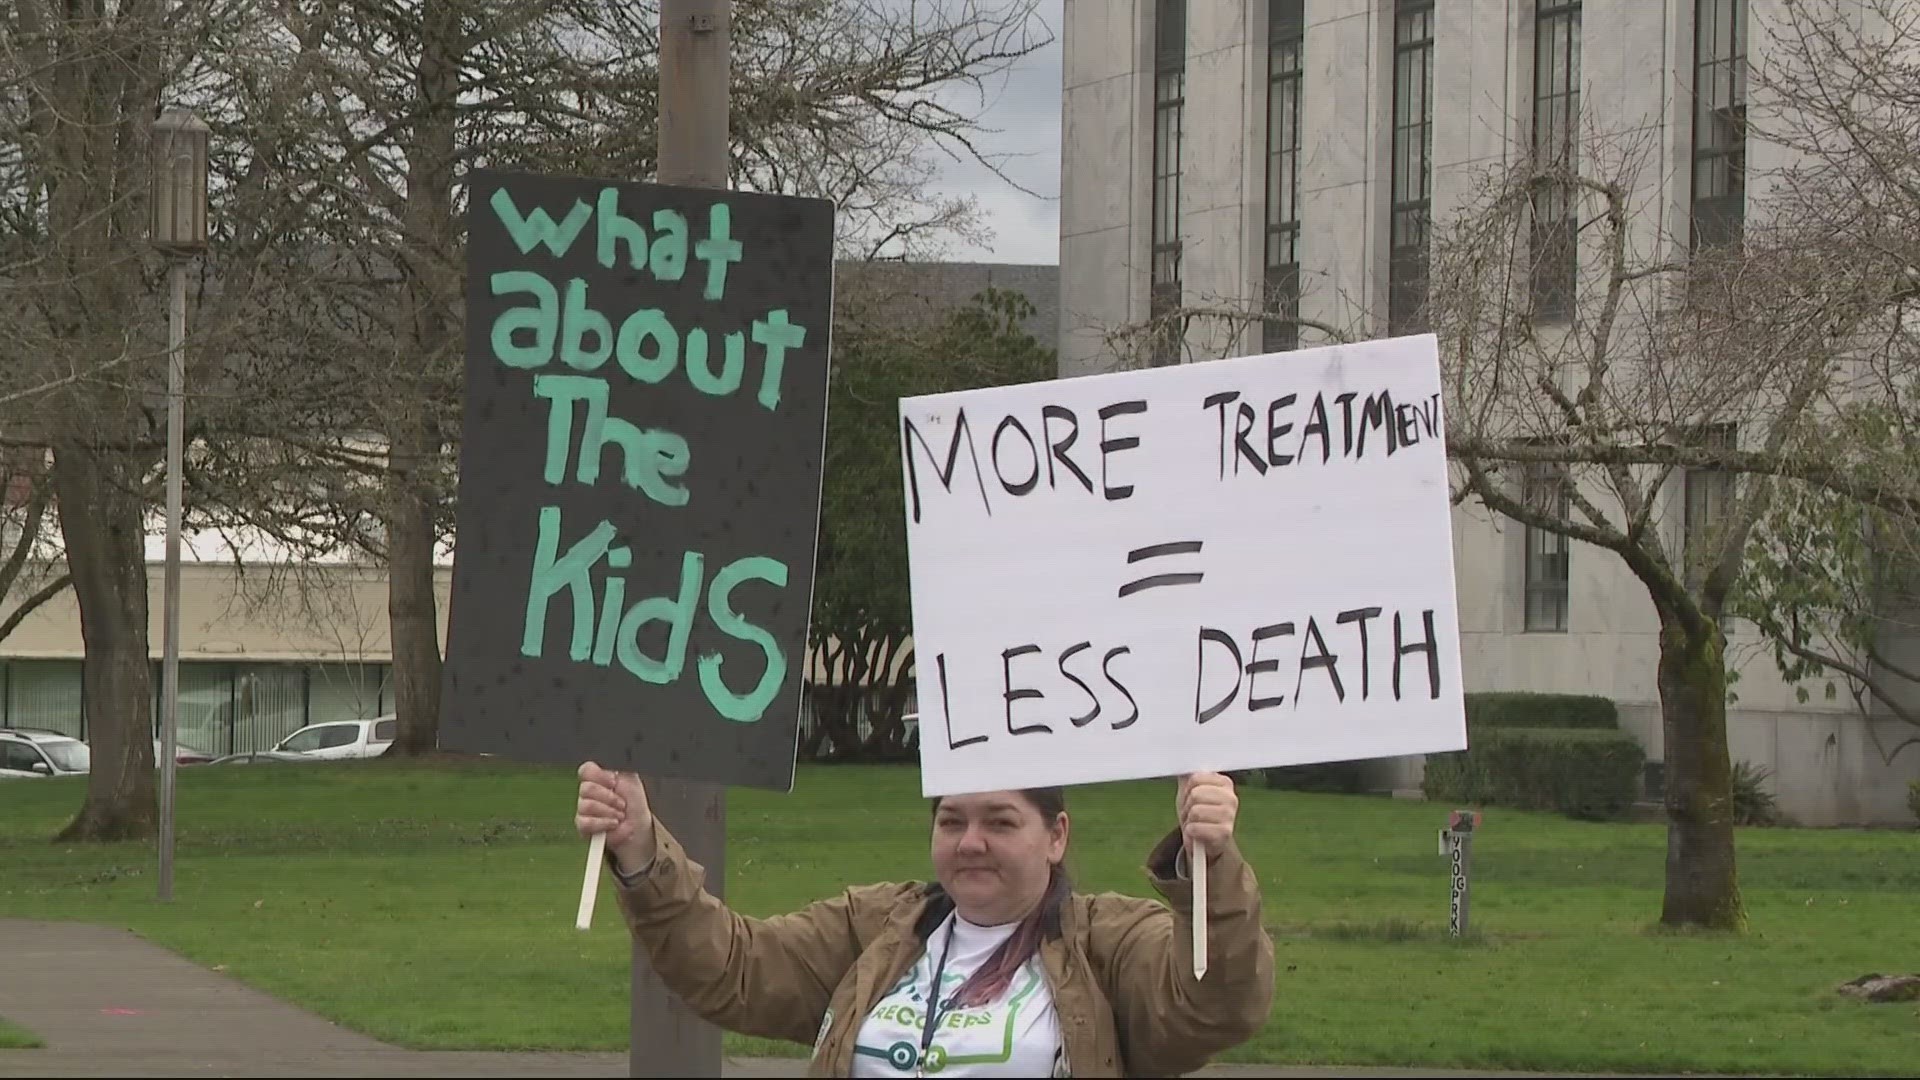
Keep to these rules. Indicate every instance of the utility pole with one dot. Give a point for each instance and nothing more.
(667, 1039)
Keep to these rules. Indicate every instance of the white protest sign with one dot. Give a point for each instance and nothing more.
(1226, 565)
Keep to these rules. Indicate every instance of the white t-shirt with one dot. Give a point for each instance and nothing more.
(1016, 1034)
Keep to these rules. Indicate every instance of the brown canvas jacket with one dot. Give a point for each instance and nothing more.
(1120, 969)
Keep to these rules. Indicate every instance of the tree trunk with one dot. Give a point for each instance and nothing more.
(1703, 887)
(106, 554)
(431, 287)
(887, 697)
(809, 734)
(412, 606)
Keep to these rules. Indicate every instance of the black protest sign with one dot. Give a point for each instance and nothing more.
(639, 475)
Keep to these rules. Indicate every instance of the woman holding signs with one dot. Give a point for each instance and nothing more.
(1021, 975)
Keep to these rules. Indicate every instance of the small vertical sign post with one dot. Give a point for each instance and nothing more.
(1456, 842)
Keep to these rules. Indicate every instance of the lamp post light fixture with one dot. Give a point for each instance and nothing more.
(179, 222)
(179, 229)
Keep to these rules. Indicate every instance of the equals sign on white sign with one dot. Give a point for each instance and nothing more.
(1155, 551)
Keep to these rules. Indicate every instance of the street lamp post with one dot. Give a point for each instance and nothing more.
(179, 230)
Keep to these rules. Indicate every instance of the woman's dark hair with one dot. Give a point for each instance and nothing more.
(992, 978)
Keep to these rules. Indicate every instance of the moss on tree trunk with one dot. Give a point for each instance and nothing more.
(1703, 888)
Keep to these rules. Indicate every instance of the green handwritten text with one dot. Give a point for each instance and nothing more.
(646, 345)
(543, 320)
(665, 258)
(612, 630)
(677, 613)
(717, 250)
(553, 572)
(748, 707)
(651, 458)
(537, 229)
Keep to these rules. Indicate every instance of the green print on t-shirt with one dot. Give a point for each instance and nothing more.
(938, 1058)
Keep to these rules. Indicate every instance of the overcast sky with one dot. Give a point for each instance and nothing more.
(1023, 110)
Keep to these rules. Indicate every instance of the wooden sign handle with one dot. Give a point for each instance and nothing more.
(590, 888)
(1199, 871)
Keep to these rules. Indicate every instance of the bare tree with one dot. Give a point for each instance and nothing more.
(1575, 425)
(79, 82)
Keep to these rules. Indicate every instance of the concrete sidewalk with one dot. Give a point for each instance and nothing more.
(108, 1003)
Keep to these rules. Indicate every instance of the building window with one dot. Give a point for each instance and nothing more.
(1556, 122)
(225, 708)
(1412, 165)
(1544, 488)
(1169, 107)
(348, 692)
(48, 694)
(1706, 503)
(1719, 121)
(1286, 29)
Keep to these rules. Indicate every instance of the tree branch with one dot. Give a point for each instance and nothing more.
(32, 603)
(1859, 674)
(29, 538)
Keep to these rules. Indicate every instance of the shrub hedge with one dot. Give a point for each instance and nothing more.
(1533, 751)
(1526, 710)
(1582, 772)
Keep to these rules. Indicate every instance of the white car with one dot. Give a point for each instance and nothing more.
(338, 739)
(38, 752)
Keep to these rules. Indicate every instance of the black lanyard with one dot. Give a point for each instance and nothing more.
(934, 1008)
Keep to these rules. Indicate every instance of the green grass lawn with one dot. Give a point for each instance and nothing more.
(432, 907)
(17, 1038)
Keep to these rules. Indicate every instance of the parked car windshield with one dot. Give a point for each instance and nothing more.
(69, 756)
